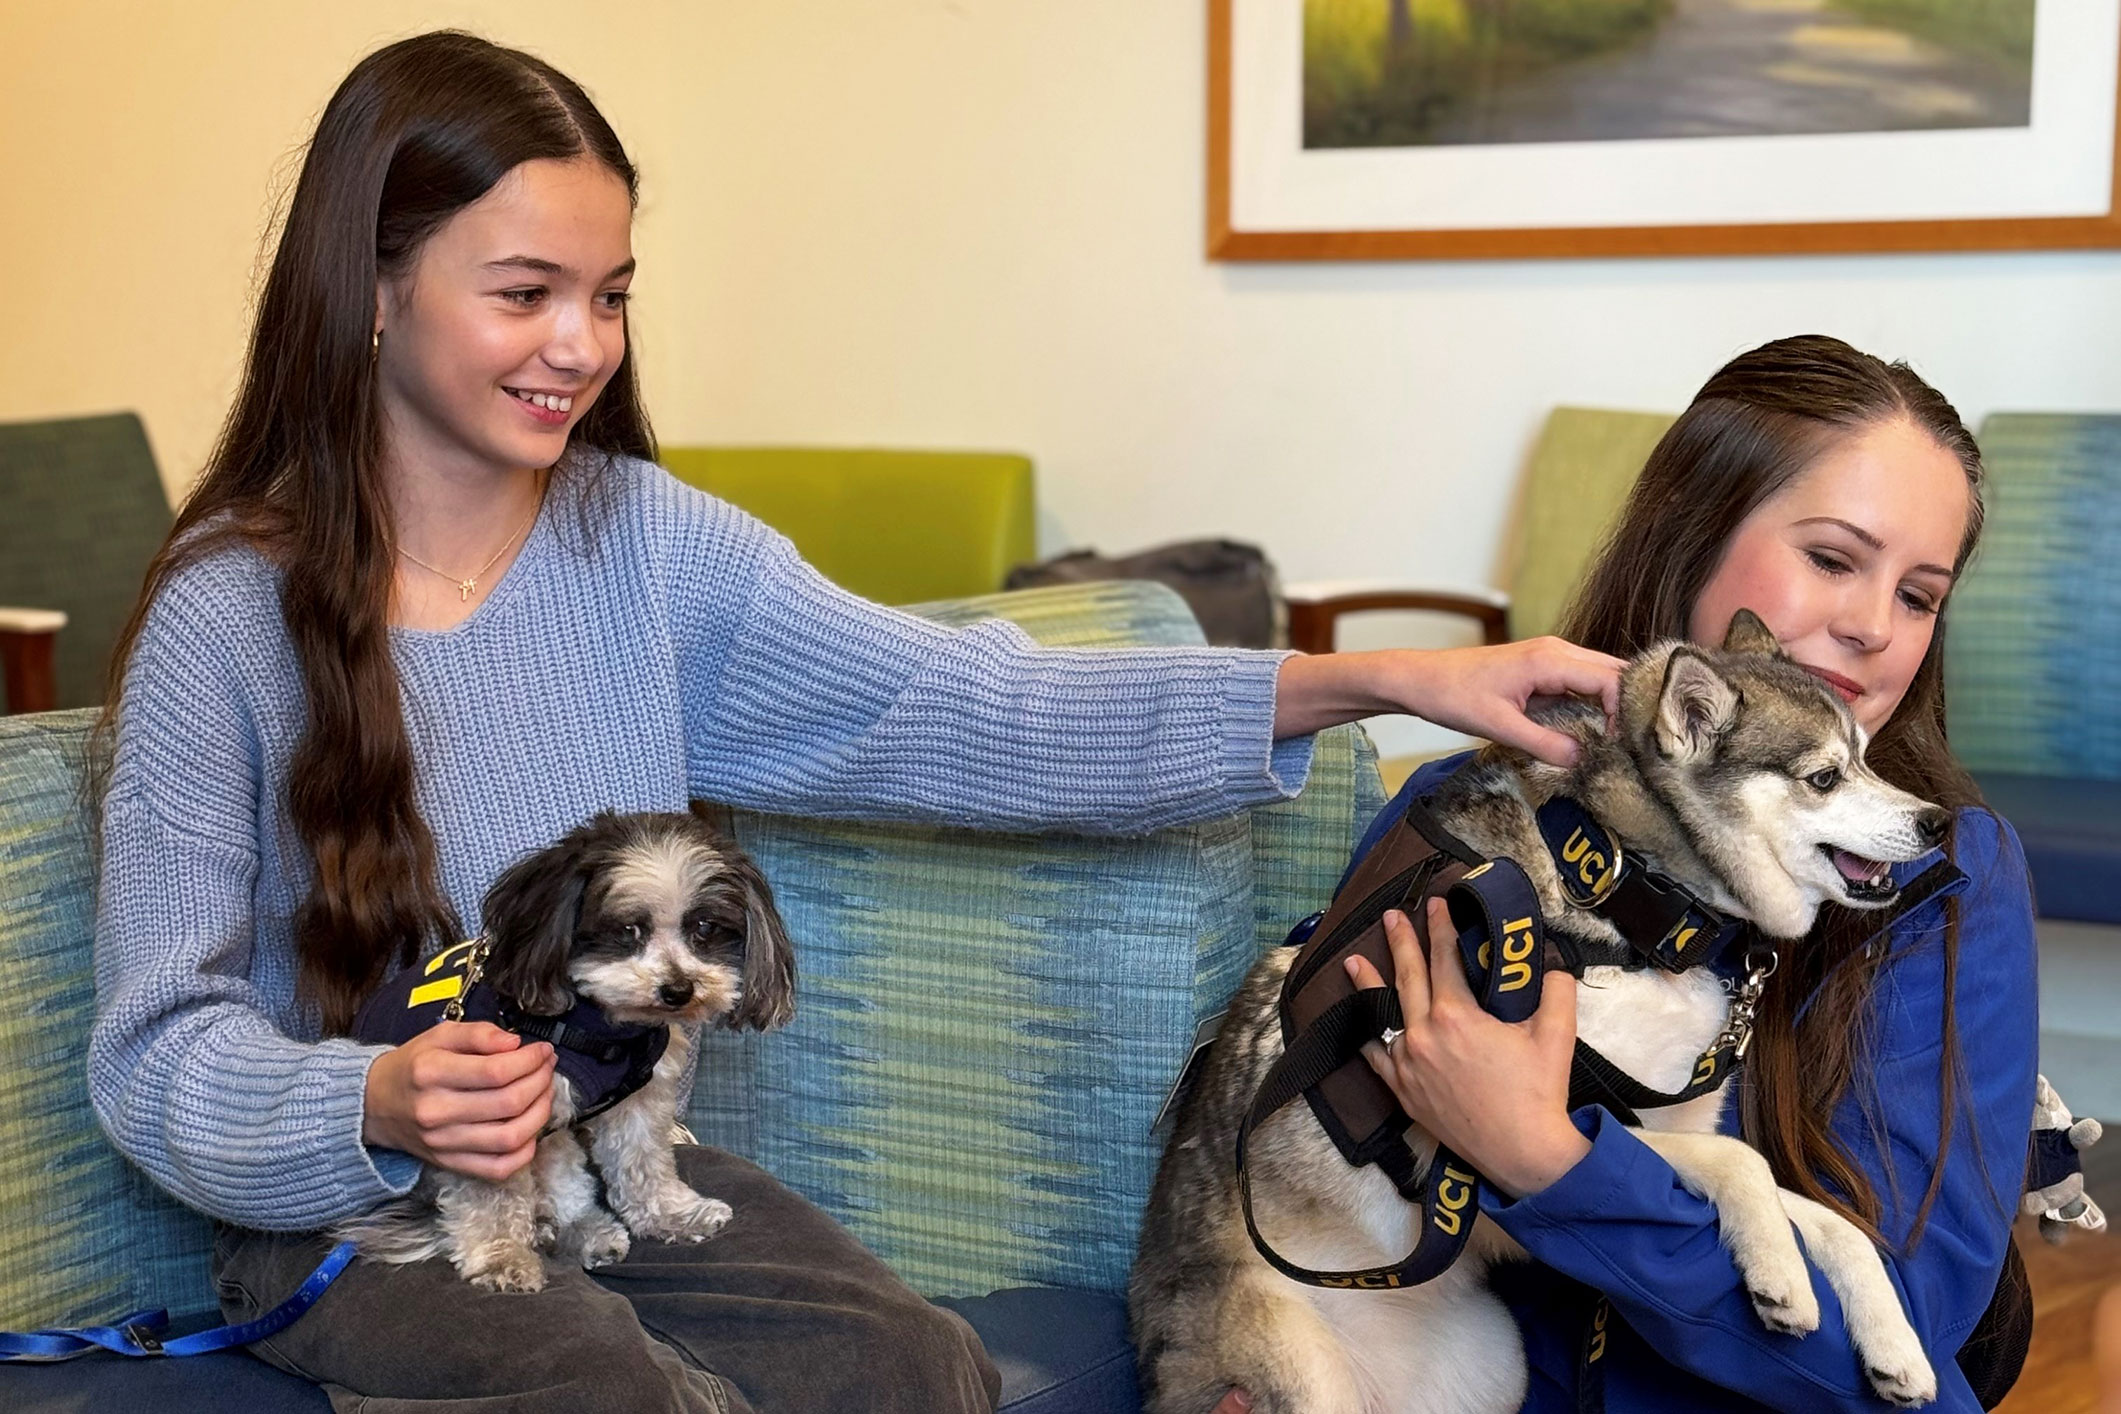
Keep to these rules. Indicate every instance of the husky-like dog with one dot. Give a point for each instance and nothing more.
(1739, 775)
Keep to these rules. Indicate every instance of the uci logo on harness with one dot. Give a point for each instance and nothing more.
(1454, 1192)
(1362, 1281)
(1517, 945)
(445, 988)
(1595, 865)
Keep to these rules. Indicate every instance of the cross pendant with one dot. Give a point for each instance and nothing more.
(464, 588)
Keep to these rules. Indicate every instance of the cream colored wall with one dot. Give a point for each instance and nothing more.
(146, 145)
(952, 223)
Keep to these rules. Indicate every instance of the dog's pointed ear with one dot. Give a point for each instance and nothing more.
(531, 914)
(769, 959)
(1748, 633)
(1695, 708)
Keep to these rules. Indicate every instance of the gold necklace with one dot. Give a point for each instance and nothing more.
(466, 586)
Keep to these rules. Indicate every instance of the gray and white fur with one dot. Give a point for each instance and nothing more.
(1736, 773)
(658, 919)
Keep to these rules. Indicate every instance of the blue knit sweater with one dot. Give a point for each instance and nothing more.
(649, 644)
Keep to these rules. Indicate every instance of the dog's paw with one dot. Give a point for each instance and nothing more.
(603, 1242)
(545, 1233)
(1782, 1296)
(1894, 1364)
(681, 1217)
(513, 1271)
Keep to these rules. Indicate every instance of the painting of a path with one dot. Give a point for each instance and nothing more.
(1403, 73)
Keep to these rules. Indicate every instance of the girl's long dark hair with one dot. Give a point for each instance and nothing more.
(419, 130)
(1763, 419)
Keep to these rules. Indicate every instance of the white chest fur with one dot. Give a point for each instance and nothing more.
(1655, 1025)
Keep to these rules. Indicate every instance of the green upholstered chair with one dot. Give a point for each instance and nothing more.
(1586, 461)
(898, 527)
(82, 511)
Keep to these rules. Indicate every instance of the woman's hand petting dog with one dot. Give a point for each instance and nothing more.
(462, 1095)
(1495, 1093)
(1480, 691)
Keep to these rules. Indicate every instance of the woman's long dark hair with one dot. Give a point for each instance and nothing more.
(419, 130)
(1762, 420)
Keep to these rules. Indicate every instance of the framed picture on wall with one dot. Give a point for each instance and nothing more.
(1396, 129)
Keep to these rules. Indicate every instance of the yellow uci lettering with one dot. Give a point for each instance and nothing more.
(1591, 866)
(440, 991)
(1703, 1068)
(1337, 1283)
(436, 963)
(1453, 1192)
(1681, 936)
(1597, 1345)
(1516, 948)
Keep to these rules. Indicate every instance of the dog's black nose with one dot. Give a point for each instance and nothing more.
(675, 993)
(1931, 825)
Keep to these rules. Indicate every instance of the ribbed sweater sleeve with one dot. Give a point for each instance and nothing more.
(805, 699)
(189, 1075)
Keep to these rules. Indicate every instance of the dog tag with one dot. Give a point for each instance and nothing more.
(1203, 1036)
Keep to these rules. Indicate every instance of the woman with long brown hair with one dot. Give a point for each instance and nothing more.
(1890, 1074)
(430, 606)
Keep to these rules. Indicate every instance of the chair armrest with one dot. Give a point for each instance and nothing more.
(1315, 607)
(27, 637)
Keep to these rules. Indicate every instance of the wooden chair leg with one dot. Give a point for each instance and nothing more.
(26, 667)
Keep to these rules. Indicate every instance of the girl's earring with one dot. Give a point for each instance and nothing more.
(375, 346)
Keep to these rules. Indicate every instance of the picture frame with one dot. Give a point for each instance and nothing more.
(2050, 182)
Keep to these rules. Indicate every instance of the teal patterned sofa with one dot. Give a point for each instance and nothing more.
(987, 1027)
(2033, 671)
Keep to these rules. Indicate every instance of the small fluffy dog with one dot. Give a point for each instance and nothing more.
(615, 944)
(1735, 773)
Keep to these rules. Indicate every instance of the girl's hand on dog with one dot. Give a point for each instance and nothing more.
(1495, 1092)
(463, 1095)
(1480, 691)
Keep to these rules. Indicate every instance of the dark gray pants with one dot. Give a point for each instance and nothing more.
(780, 1312)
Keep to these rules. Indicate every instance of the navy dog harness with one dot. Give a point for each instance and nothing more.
(1503, 943)
(604, 1061)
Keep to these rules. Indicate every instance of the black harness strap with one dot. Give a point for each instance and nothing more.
(1501, 945)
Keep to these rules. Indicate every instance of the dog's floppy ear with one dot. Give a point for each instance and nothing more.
(1695, 708)
(531, 913)
(1749, 634)
(769, 960)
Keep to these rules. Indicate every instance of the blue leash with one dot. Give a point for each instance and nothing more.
(137, 1334)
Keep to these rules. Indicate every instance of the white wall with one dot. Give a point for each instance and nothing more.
(949, 223)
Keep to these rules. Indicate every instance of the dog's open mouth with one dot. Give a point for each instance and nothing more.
(1866, 880)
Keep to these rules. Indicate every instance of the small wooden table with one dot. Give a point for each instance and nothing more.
(26, 640)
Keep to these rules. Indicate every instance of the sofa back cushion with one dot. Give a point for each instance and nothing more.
(2035, 646)
(84, 1236)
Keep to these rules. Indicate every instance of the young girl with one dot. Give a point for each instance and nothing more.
(430, 606)
(1890, 1077)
